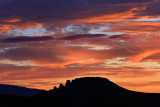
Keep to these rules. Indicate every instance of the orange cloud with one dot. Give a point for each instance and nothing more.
(13, 20)
(136, 28)
(15, 24)
(115, 17)
(140, 57)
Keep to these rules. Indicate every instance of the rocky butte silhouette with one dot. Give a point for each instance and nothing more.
(86, 92)
(87, 87)
(96, 91)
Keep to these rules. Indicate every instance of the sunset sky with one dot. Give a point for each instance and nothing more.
(45, 42)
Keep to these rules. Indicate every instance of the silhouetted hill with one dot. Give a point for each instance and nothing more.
(85, 92)
(18, 91)
(89, 86)
(99, 91)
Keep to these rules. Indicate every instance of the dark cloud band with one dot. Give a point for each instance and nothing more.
(26, 39)
(47, 38)
(80, 36)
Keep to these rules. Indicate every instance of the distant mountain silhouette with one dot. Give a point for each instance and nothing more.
(85, 92)
(18, 91)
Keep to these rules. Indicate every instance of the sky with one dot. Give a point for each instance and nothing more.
(45, 42)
